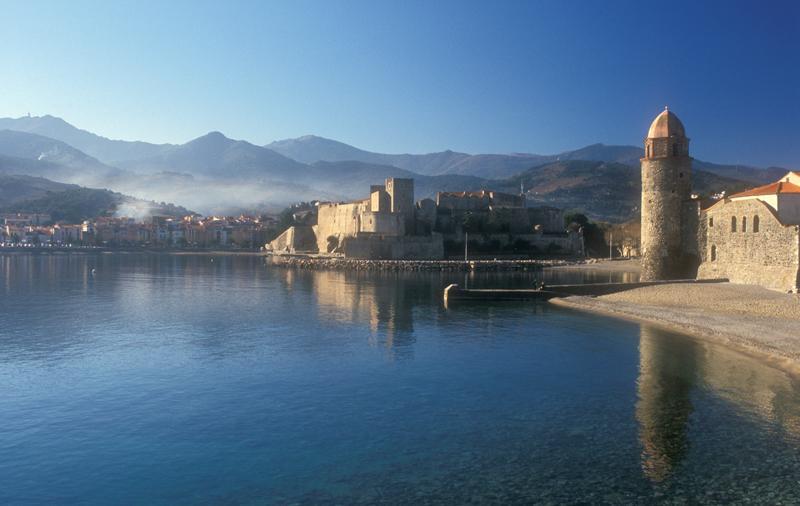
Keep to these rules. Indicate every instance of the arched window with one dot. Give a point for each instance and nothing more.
(744, 223)
(755, 224)
(733, 223)
(713, 253)
(674, 150)
(647, 151)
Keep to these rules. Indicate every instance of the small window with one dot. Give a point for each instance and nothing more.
(713, 253)
(674, 150)
(733, 223)
(755, 224)
(744, 223)
(711, 221)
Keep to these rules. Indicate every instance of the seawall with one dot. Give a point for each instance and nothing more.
(338, 263)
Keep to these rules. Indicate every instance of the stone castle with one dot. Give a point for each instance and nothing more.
(383, 226)
(751, 237)
(390, 225)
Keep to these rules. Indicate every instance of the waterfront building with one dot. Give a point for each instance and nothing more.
(382, 226)
(389, 225)
(669, 213)
(25, 219)
(752, 237)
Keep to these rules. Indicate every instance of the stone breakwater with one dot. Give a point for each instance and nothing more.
(333, 263)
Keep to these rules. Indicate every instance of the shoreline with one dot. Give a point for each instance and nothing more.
(749, 319)
(350, 264)
(632, 265)
(123, 251)
(320, 262)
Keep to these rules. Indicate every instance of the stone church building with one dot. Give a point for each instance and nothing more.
(751, 237)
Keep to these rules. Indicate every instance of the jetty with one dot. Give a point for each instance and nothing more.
(340, 263)
(454, 292)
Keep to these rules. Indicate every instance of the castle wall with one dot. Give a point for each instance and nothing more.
(383, 223)
(518, 219)
(378, 247)
(666, 186)
(299, 238)
(500, 199)
(569, 243)
(425, 216)
(338, 220)
(380, 201)
(463, 202)
(401, 192)
(550, 218)
(478, 201)
(769, 257)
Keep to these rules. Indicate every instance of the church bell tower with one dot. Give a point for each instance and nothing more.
(667, 221)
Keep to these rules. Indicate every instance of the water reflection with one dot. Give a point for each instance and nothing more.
(384, 301)
(673, 368)
(518, 400)
(667, 369)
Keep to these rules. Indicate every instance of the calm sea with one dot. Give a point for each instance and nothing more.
(158, 379)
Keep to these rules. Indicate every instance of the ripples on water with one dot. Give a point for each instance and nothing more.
(175, 379)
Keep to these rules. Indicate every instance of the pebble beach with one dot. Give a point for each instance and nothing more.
(749, 318)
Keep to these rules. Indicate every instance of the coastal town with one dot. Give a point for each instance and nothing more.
(27, 230)
(400, 253)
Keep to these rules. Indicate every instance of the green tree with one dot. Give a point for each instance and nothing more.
(593, 235)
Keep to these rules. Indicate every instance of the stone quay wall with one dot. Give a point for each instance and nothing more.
(349, 264)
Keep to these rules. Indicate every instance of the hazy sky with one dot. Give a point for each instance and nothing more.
(407, 76)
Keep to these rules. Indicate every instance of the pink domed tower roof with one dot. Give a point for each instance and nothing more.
(666, 124)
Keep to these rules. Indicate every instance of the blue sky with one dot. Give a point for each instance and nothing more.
(412, 76)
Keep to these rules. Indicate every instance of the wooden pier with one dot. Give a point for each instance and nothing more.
(454, 293)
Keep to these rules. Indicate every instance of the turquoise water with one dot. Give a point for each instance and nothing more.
(182, 380)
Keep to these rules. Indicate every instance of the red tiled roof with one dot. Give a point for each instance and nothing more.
(770, 189)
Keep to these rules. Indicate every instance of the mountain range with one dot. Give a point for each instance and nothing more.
(214, 174)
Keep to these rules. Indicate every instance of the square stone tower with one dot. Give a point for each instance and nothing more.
(401, 193)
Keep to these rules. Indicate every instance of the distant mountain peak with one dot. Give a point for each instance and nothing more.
(107, 150)
(213, 138)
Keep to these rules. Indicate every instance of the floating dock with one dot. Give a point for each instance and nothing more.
(454, 293)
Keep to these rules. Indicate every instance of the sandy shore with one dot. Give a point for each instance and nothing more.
(633, 265)
(750, 318)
